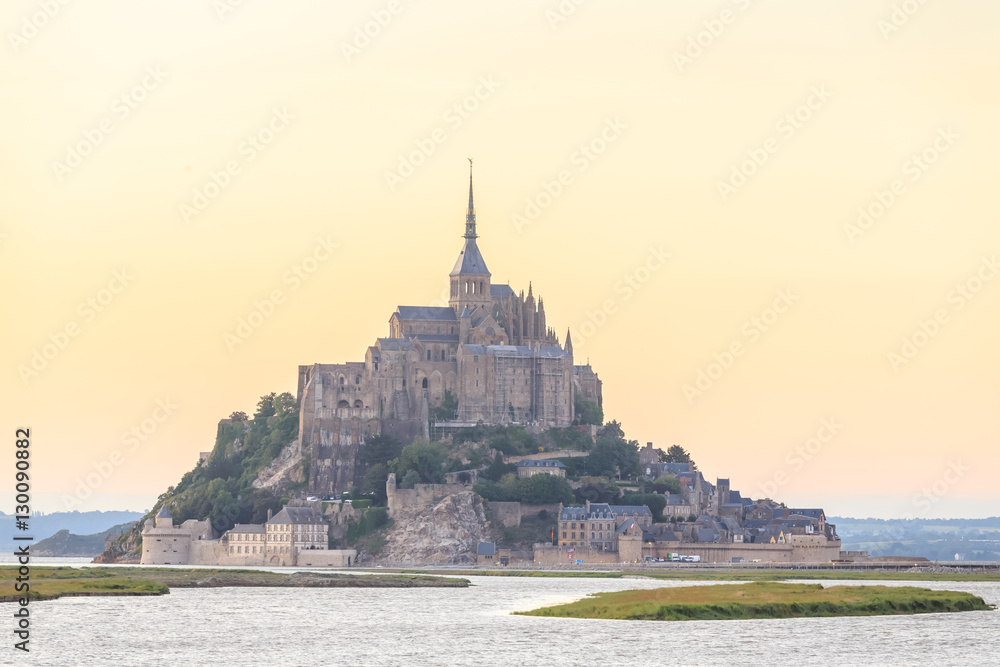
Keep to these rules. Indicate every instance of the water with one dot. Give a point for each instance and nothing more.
(473, 626)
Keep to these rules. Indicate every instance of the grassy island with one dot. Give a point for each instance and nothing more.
(762, 600)
(47, 583)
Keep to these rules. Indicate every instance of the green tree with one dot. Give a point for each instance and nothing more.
(613, 455)
(425, 458)
(374, 483)
(411, 478)
(666, 484)
(677, 454)
(381, 449)
(587, 412)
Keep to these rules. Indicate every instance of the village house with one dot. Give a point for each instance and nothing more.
(529, 468)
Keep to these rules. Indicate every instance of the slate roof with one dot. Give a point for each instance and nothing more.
(707, 535)
(573, 514)
(811, 513)
(678, 467)
(164, 513)
(544, 463)
(625, 526)
(296, 515)
(395, 344)
(637, 510)
(470, 260)
(247, 528)
(437, 338)
(426, 313)
(501, 290)
(486, 549)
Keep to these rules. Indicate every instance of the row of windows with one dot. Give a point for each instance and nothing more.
(253, 550)
(599, 526)
(599, 535)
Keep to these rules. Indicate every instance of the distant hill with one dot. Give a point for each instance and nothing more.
(78, 523)
(66, 544)
(935, 539)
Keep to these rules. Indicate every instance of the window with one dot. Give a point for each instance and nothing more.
(357, 379)
(442, 355)
(423, 383)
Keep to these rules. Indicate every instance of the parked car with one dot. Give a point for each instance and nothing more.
(311, 498)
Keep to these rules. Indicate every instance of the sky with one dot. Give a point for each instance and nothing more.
(770, 226)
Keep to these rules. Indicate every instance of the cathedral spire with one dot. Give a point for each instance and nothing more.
(470, 215)
(569, 343)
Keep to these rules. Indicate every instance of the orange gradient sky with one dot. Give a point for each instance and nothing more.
(120, 114)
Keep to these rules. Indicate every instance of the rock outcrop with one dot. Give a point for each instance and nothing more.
(286, 468)
(446, 533)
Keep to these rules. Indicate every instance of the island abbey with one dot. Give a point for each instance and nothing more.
(489, 356)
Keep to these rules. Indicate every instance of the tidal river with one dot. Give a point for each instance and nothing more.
(473, 626)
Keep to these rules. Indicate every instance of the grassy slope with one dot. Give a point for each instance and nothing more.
(763, 600)
(52, 582)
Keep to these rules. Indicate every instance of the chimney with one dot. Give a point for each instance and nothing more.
(268, 513)
(588, 508)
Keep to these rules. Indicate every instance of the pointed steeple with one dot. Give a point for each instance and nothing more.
(569, 343)
(470, 214)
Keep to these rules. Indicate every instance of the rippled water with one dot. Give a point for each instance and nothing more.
(473, 626)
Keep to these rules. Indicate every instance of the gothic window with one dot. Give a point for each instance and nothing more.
(357, 379)
(442, 355)
(428, 355)
(341, 380)
(480, 287)
(423, 383)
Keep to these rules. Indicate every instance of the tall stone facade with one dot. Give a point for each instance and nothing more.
(490, 349)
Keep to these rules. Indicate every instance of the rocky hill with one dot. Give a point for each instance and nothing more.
(444, 534)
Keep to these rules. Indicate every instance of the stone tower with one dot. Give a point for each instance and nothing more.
(390, 491)
(163, 518)
(470, 279)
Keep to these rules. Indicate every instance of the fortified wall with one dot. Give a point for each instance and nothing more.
(420, 496)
